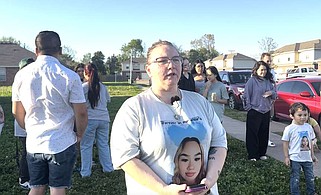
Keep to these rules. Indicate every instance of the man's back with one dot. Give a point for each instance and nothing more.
(51, 88)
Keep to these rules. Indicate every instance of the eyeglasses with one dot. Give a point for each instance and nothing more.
(176, 60)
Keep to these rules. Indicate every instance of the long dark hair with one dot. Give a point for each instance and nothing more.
(268, 75)
(93, 84)
(214, 71)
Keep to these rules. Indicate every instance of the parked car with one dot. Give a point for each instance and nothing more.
(301, 89)
(301, 72)
(235, 82)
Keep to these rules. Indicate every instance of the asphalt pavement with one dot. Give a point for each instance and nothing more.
(236, 129)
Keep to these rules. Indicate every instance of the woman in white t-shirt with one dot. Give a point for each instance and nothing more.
(97, 96)
(149, 127)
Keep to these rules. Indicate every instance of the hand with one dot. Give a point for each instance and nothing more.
(315, 159)
(208, 84)
(267, 94)
(287, 161)
(174, 189)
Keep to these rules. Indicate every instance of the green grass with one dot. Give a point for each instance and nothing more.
(239, 175)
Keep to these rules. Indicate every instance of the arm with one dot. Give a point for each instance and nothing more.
(317, 131)
(143, 174)
(286, 153)
(216, 160)
(207, 88)
(19, 113)
(81, 117)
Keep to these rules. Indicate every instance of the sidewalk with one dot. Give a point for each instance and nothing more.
(236, 129)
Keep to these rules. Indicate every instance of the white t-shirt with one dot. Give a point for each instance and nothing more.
(46, 90)
(19, 131)
(146, 126)
(100, 112)
(300, 141)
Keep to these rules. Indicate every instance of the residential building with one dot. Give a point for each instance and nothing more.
(233, 61)
(10, 56)
(137, 71)
(304, 54)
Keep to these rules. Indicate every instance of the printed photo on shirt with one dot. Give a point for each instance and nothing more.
(305, 144)
(189, 162)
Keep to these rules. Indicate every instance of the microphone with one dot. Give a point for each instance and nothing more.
(174, 99)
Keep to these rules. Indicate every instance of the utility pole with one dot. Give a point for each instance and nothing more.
(131, 66)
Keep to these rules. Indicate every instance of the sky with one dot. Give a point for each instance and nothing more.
(87, 26)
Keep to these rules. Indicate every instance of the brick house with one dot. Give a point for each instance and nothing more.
(10, 56)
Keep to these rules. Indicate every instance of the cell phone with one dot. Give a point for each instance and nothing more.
(195, 188)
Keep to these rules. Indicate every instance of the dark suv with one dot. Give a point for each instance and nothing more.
(235, 82)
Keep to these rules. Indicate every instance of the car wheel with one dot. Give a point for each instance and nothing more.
(232, 102)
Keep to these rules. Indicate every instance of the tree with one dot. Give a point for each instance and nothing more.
(267, 44)
(113, 64)
(134, 47)
(9, 40)
(205, 47)
(98, 60)
(86, 58)
(67, 57)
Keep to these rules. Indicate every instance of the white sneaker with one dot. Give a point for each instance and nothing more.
(263, 157)
(271, 144)
(24, 185)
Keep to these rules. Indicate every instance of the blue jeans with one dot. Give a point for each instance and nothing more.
(295, 177)
(53, 169)
(99, 130)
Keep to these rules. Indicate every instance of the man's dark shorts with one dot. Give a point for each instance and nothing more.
(54, 170)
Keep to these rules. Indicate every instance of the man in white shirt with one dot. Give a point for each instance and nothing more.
(47, 100)
(266, 57)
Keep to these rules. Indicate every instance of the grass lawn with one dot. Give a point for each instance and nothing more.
(239, 175)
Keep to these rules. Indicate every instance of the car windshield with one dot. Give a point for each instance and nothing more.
(239, 77)
(316, 86)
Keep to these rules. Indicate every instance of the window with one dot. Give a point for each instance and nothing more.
(300, 87)
(3, 75)
(285, 87)
(288, 59)
(304, 70)
(317, 87)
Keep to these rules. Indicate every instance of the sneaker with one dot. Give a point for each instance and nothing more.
(271, 144)
(253, 159)
(263, 157)
(24, 185)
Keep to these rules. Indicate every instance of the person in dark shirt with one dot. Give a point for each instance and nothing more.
(186, 82)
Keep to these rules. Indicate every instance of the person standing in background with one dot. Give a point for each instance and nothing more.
(199, 75)
(97, 96)
(266, 57)
(22, 134)
(215, 91)
(79, 69)
(259, 94)
(186, 82)
(47, 100)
